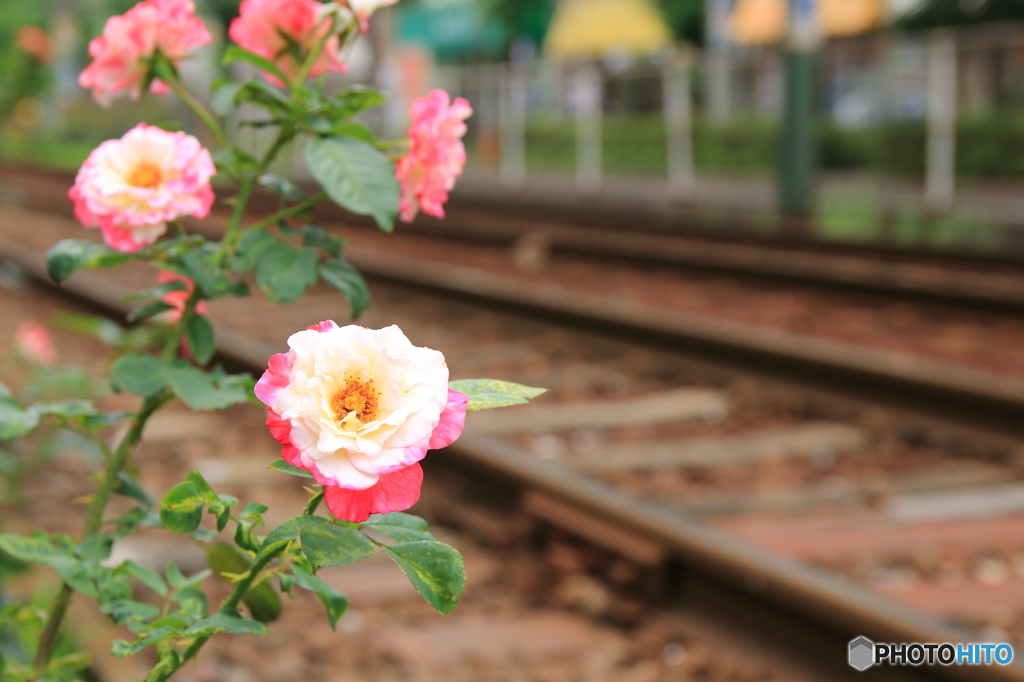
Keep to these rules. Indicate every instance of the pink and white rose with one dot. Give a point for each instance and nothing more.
(364, 9)
(35, 344)
(122, 56)
(131, 187)
(436, 154)
(273, 28)
(358, 408)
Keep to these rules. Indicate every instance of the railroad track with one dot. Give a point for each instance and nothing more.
(773, 600)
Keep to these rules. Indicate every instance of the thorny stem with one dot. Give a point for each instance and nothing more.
(116, 463)
(94, 519)
(201, 111)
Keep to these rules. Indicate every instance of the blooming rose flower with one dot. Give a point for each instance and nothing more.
(130, 187)
(273, 28)
(35, 343)
(122, 55)
(436, 154)
(359, 408)
(364, 9)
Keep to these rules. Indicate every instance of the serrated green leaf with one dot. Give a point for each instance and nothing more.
(130, 522)
(356, 130)
(127, 487)
(400, 527)
(96, 547)
(435, 569)
(123, 649)
(250, 249)
(145, 576)
(326, 545)
(16, 421)
(122, 611)
(148, 310)
(70, 255)
(485, 394)
(200, 390)
(356, 176)
(319, 238)
(223, 100)
(228, 623)
(334, 602)
(346, 279)
(281, 465)
(200, 337)
(355, 100)
(285, 271)
(236, 54)
(140, 373)
(182, 508)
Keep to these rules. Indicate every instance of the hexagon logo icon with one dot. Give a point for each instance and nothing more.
(862, 653)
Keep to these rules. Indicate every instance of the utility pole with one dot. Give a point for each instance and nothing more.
(798, 153)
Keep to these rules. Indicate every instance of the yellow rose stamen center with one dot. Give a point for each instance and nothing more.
(146, 175)
(357, 396)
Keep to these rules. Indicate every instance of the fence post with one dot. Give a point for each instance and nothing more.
(940, 162)
(512, 113)
(678, 112)
(717, 66)
(588, 104)
(798, 125)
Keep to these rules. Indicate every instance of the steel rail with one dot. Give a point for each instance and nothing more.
(875, 271)
(807, 615)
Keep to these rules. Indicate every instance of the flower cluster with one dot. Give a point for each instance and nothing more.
(131, 187)
(123, 55)
(359, 408)
(436, 154)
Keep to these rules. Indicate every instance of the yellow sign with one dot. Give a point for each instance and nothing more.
(589, 29)
(759, 22)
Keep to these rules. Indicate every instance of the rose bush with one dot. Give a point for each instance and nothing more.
(354, 409)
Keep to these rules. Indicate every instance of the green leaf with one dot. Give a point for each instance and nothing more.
(250, 249)
(356, 130)
(133, 519)
(334, 602)
(95, 548)
(485, 394)
(262, 600)
(127, 487)
(328, 545)
(435, 570)
(145, 576)
(205, 271)
(223, 100)
(148, 310)
(355, 101)
(107, 332)
(122, 649)
(16, 421)
(287, 468)
(223, 622)
(356, 176)
(288, 531)
(199, 389)
(140, 373)
(281, 186)
(201, 341)
(237, 54)
(400, 527)
(317, 237)
(122, 611)
(73, 254)
(182, 508)
(285, 271)
(252, 510)
(342, 276)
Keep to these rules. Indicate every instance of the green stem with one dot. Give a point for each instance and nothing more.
(201, 111)
(290, 211)
(94, 520)
(314, 54)
(314, 502)
(241, 201)
(230, 604)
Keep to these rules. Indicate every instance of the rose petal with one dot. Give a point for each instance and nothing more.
(393, 492)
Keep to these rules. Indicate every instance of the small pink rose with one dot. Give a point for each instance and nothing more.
(436, 154)
(284, 31)
(35, 343)
(122, 55)
(131, 187)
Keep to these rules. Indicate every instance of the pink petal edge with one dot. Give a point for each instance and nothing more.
(396, 491)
